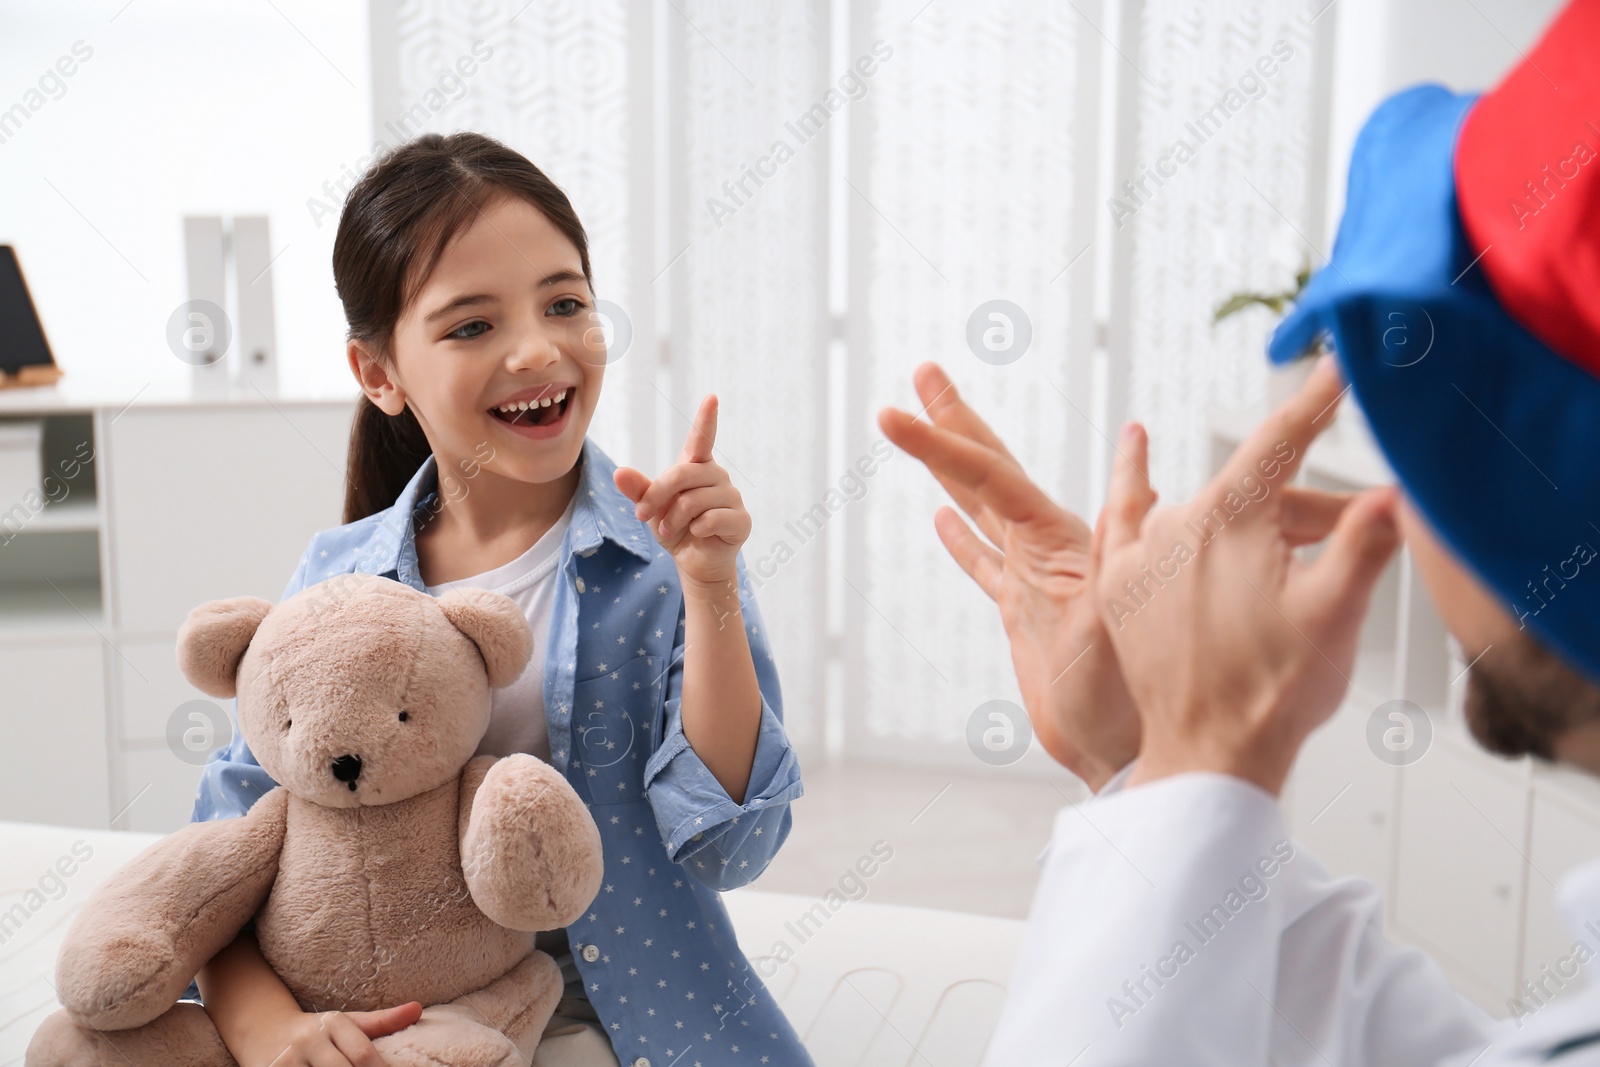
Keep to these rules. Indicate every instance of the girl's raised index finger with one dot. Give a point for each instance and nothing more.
(703, 433)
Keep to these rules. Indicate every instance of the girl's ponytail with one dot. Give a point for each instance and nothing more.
(395, 225)
(385, 451)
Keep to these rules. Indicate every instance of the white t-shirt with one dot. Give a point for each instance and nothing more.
(516, 717)
(516, 712)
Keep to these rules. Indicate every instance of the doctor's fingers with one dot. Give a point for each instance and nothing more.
(979, 478)
(1274, 450)
(1129, 497)
(982, 563)
(1307, 515)
(927, 444)
(1337, 585)
(949, 411)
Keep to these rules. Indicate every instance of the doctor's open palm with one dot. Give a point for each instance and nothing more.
(1036, 567)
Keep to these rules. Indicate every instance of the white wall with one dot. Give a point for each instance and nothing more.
(1385, 45)
(182, 106)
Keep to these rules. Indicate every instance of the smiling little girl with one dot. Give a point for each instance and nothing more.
(465, 279)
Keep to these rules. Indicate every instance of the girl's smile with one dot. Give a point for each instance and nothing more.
(540, 412)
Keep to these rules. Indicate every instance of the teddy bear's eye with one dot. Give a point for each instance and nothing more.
(403, 716)
(288, 723)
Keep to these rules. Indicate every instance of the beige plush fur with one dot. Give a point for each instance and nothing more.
(422, 877)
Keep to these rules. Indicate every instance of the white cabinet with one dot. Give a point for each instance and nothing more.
(149, 688)
(53, 753)
(208, 502)
(156, 789)
(168, 504)
(155, 783)
(1459, 873)
(1342, 800)
(1564, 833)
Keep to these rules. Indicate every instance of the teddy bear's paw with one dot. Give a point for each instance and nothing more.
(182, 1037)
(449, 1035)
(116, 983)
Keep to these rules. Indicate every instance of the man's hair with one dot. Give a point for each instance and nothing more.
(1521, 698)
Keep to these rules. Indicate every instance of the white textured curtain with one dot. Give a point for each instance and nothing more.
(794, 203)
(965, 189)
(646, 114)
(748, 277)
(1233, 217)
(560, 83)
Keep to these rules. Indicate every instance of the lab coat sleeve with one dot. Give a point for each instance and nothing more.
(723, 843)
(1177, 923)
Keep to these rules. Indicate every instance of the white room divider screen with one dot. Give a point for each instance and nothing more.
(794, 203)
(971, 181)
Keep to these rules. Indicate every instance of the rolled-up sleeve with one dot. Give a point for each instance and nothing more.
(723, 843)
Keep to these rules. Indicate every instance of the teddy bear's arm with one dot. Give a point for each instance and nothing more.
(141, 936)
(529, 849)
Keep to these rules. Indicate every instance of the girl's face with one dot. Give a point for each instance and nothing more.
(500, 353)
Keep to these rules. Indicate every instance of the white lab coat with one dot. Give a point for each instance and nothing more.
(1177, 923)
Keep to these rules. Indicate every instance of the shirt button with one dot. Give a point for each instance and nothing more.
(697, 837)
(580, 584)
(642, 1061)
(591, 953)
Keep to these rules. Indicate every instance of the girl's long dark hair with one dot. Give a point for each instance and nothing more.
(396, 223)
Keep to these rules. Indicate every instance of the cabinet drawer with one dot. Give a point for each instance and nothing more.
(1341, 798)
(163, 785)
(151, 688)
(1561, 839)
(217, 502)
(53, 765)
(1459, 880)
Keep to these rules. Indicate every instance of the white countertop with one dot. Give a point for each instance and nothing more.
(88, 392)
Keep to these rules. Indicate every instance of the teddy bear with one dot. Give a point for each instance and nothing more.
(388, 865)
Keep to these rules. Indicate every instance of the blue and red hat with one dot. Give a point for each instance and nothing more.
(1463, 303)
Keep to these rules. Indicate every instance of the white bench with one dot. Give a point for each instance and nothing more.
(864, 984)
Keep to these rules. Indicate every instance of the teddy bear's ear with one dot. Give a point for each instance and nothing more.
(496, 625)
(213, 638)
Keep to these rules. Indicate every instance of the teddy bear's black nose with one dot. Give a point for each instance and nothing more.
(347, 769)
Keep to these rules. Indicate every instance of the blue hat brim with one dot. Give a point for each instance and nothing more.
(1494, 436)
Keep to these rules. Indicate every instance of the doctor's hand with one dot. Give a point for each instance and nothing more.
(693, 508)
(1236, 648)
(1036, 567)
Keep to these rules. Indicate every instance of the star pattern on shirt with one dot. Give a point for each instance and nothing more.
(645, 952)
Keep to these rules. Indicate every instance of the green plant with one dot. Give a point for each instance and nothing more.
(1277, 302)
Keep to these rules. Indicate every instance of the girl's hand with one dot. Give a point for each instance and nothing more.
(693, 509)
(329, 1038)
(262, 1025)
(1038, 573)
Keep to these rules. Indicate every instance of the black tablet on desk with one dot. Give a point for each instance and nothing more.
(24, 352)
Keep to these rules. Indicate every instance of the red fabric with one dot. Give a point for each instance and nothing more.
(1527, 169)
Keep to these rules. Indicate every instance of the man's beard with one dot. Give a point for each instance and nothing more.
(1521, 699)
